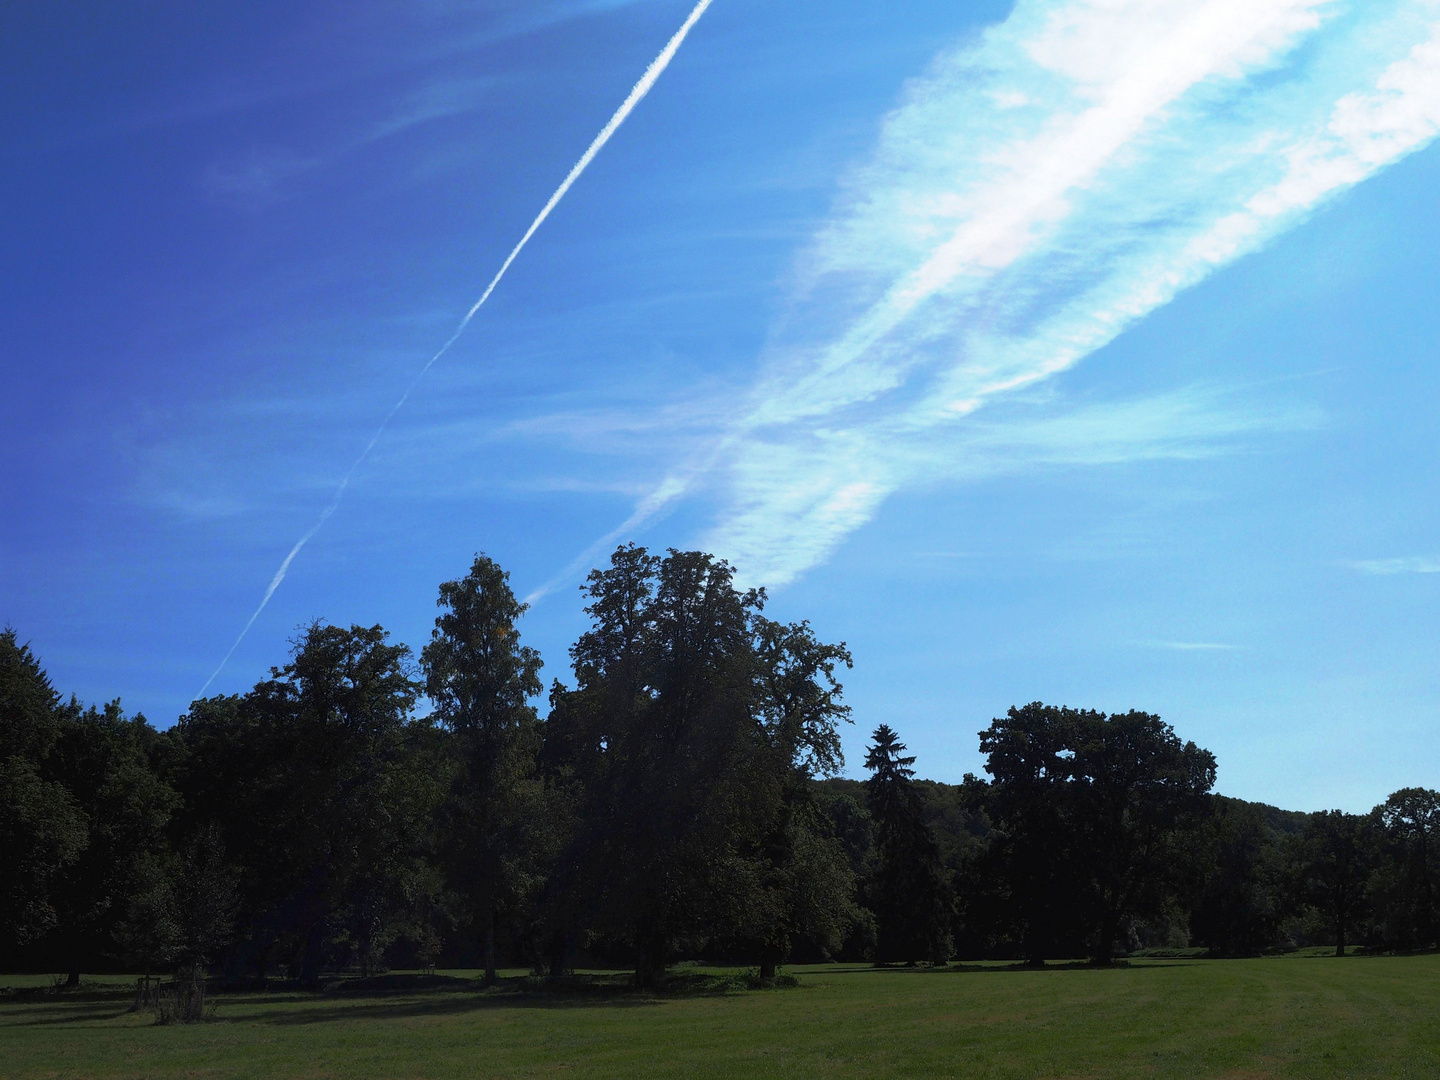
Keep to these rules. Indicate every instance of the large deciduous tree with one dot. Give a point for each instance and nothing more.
(1239, 900)
(805, 889)
(328, 807)
(693, 732)
(1335, 864)
(1137, 790)
(1092, 810)
(1027, 754)
(1405, 886)
(665, 675)
(482, 680)
(108, 763)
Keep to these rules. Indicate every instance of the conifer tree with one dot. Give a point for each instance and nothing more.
(912, 902)
(42, 831)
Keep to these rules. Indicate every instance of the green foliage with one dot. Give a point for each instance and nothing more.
(694, 733)
(907, 889)
(1139, 793)
(327, 802)
(107, 762)
(42, 831)
(1404, 888)
(481, 680)
(681, 799)
(29, 705)
(1335, 860)
(1028, 758)
(1095, 813)
(665, 747)
(1240, 900)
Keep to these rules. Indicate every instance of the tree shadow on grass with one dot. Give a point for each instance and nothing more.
(299, 1009)
(50, 995)
(579, 992)
(379, 998)
(62, 1013)
(33, 1006)
(1017, 967)
(1069, 965)
(393, 1009)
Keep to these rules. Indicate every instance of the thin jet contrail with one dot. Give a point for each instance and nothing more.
(641, 88)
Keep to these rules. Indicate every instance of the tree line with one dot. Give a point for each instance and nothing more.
(365, 808)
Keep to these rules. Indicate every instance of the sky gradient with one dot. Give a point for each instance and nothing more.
(1082, 352)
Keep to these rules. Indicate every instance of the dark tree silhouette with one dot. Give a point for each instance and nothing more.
(908, 891)
(666, 748)
(326, 800)
(806, 887)
(42, 831)
(1137, 789)
(482, 679)
(1335, 866)
(106, 761)
(1239, 899)
(1028, 757)
(682, 798)
(1405, 885)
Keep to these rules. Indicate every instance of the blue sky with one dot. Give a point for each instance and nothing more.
(1074, 351)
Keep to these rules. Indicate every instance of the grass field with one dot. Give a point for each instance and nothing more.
(1308, 1018)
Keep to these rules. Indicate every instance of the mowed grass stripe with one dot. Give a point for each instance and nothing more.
(1288, 1017)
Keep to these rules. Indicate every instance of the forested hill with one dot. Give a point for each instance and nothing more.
(366, 807)
(956, 814)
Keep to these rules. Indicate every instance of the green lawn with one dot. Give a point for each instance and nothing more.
(1294, 1017)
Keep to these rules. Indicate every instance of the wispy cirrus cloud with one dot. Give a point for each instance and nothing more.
(1033, 195)
(1191, 646)
(259, 178)
(1411, 565)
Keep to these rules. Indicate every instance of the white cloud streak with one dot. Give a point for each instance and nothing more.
(1191, 646)
(637, 93)
(1032, 196)
(1411, 565)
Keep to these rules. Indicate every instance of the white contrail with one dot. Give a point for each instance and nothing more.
(641, 88)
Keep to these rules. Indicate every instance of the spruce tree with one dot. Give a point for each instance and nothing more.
(908, 892)
(42, 831)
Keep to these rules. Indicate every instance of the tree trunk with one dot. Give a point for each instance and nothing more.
(1427, 917)
(1105, 947)
(767, 965)
(310, 959)
(1340, 931)
(490, 976)
(647, 976)
(649, 961)
(644, 976)
(72, 978)
(1034, 953)
(559, 954)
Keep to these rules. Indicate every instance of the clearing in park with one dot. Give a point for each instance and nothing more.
(1298, 1016)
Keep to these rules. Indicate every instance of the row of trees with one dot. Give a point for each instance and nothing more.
(1095, 834)
(364, 807)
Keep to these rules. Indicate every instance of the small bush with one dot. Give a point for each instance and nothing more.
(775, 982)
(147, 992)
(182, 1001)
